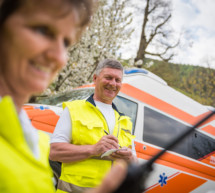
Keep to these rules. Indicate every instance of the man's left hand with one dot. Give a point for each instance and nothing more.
(124, 153)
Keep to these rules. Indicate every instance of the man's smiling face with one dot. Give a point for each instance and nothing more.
(107, 84)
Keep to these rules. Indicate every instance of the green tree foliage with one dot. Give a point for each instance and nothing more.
(193, 81)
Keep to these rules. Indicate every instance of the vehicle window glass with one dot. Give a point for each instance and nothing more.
(202, 145)
(160, 129)
(127, 107)
(66, 96)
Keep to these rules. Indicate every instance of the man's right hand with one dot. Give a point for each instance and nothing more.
(106, 143)
(66, 152)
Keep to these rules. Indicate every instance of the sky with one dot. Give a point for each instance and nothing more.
(196, 20)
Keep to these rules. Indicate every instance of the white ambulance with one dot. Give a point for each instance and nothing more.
(159, 114)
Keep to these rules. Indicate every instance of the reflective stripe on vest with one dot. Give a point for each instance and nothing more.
(20, 171)
(88, 125)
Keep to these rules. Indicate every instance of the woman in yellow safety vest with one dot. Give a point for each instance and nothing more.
(34, 37)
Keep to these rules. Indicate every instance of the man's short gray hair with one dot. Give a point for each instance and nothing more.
(108, 63)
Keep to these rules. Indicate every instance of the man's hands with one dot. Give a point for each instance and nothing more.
(106, 143)
(125, 154)
(66, 152)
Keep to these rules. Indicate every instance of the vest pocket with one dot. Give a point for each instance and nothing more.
(82, 168)
(86, 132)
(86, 173)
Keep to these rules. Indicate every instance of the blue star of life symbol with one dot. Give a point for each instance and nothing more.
(41, 107)
(163, 179)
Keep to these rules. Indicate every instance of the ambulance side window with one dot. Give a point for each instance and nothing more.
(127, 107)
(202, 145)
(160, 129)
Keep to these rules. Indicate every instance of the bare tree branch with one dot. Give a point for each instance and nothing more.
(156, 32)
(157, 28)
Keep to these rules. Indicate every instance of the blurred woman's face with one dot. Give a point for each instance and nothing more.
(33, 48)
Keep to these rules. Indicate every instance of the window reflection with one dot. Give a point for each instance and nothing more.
(160, 129)
(66, 96)
(202, 145)
(127, 107)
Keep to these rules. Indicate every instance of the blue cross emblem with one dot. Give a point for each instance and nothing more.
(163, 179)
(41, 107)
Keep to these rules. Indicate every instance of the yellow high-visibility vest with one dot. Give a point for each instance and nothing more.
(88, 125)
(21, 172)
